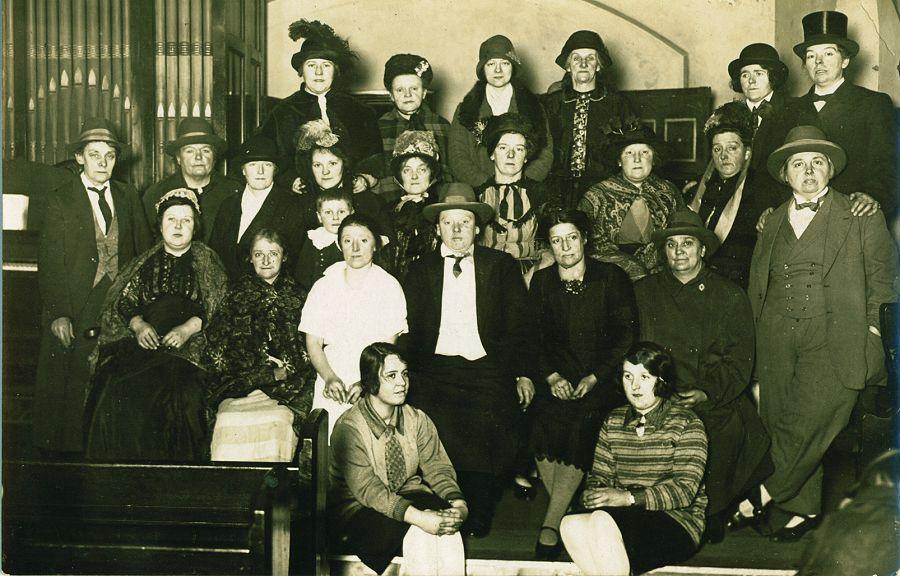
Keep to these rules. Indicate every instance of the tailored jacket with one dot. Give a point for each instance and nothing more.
(860, 264)
(861, 122)
(68, 252)
(501, 302)
(281, 211)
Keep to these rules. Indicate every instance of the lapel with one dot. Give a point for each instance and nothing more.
(83, 215)
(435, 280)
(121, 212)
(268, 213)
(482, 275)
(838, 106)
(838, 226)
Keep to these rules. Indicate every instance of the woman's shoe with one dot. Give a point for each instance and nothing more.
(758, 521)
(794, 533)
(548, 552)
(523, 492)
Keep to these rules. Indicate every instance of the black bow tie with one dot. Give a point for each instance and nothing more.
(822, 97)
(814, 206)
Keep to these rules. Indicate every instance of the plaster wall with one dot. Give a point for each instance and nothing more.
(654, 43)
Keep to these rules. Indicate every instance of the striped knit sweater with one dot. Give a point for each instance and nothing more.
(663, 468)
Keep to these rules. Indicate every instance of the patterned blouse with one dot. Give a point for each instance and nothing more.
(663, 467)
(608, 203)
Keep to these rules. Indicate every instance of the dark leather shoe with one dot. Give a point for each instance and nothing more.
(476, 527)
(548, 552)
(527, 493)
(794, 533)
(759, 521)
(715, 528)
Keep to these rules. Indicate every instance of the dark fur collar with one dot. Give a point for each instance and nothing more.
(527, 104)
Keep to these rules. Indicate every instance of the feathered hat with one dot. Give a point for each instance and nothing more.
(316, 133)
(320, 41)
(730, 117)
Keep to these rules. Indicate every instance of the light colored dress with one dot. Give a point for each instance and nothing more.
(349, 319)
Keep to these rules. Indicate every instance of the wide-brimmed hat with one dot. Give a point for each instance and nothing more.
(686, 222)
(97, 130)
(638, 134)
(320, 41)
(498, 46)
(826, 27)
(506, 123)
(418, 143)
(256, 148)
(458, 196)
(584, 39)
(413, 64)
(806, 139)
(194, 131)
(761, 54)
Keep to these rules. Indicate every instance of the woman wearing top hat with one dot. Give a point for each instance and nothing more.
(263, 203)
(93, 227)
(626, 208)
(323, 62)
(858, 120)
(582, 113)
(497, 91)
(704, 321)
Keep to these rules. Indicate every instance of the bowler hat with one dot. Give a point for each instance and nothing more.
(97, 130)
(761, 54)
(458, 196)
(638, 134)
(826, 27)
(194, 131)
(412, 64)
(506, 123)
(256, 148)
(498, 46)
(584, 39)
(805, 139)
(686, 222)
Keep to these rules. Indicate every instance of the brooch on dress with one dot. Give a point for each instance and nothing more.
(574, 287)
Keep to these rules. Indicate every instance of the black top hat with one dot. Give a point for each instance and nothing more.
(584, 39)
(686, 222)
(826, 27)
(400, 64)
(194, 131)
(805, 139)
(458, 196)
(762, 54)
(256, 148)
(97, 130)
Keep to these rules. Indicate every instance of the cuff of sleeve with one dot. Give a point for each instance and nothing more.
(456, 495)
(640, 497)
(399, 510)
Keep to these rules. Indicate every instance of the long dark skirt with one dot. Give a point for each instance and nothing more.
(475, 408)
(147, 405)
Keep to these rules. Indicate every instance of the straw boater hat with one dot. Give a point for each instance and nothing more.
(194, 131)
(826, 27)
(806, 139)
(686, 222)
(458, 196)
(97, 130)
(498, 46)
(761, 54)
(584, 39)
(413, 64)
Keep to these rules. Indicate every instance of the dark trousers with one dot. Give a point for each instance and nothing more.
(482, 491)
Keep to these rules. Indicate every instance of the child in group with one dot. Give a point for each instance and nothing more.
(321, 251)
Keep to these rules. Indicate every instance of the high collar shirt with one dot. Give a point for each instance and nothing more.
(800, 219)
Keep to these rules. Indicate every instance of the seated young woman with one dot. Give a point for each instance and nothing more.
(264, 381)
(148, 398)
(645, 497)
(393, 488)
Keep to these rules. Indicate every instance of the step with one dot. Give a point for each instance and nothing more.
(350, 565)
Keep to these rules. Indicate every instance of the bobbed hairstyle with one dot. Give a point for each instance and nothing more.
(303, 160)
(273, 236)
(658, 362)
(777, 77)
(363, 221)
(179, 201)
(571, 216)
(371, 361)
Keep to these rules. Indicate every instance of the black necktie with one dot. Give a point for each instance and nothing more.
(104, 206)
(761, 112)
(811, 205)
(457, 267)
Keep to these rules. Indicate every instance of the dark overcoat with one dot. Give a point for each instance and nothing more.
(708, 326)
(67, 264)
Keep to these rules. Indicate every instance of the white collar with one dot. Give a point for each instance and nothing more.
(754, 105)
(447, 251)
(830, 90)
(88, 184)
(499, 99)
(321, 238)
(798, 199)
(258, 195)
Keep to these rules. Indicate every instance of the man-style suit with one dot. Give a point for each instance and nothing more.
(814, 299)
(473, 402)
(281, 211)
(67, 274)
(861, 122)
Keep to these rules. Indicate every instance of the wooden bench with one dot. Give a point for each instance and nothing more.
(215, 518)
